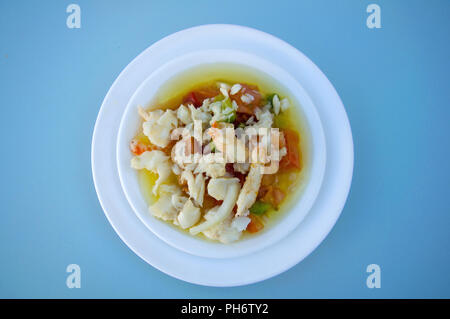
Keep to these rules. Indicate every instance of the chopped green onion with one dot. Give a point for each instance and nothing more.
(280, 121)
(226, 104)
(269, 97)
(224, 110)
(219, 98)
(259, 208)
(231, 118)
(228, 111)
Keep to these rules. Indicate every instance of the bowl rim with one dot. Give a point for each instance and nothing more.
(299, 207)
(207, 272)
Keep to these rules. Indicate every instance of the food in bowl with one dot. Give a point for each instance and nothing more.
(219, 159)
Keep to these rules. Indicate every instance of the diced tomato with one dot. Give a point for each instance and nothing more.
(263, 190)
(209, 202)
(271, 194)
(241, 177)
(292, 160)
(253, 93)
(197, 97)
(190, 98)
(275, 196)
(255, 224)
(138, 147)
(241, 117)
(282, 140)
(268, 179)
(244, 109)
(229, 168)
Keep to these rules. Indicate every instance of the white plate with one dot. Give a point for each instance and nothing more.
(314, 141)
(273, 259)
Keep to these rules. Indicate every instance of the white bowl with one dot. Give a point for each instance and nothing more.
(262, 264)
(196, 246)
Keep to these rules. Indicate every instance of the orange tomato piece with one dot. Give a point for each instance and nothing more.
(250, 90)
(277, 196)
(268, 179)
(292, 160)
(271, 195)
(209, 202)
(255, 224)
(197, 97)
(138, 147)
(244, 109)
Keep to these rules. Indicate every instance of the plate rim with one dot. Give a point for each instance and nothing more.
(289, 50)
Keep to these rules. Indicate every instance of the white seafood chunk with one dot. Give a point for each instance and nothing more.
(143, 113)
(155, 161)
(224, 86)
(218, 187)
(247, 196)
(276, 104)
(264, 117)
(200, 114)
(169, 203)
(224, 91)
(215, 170)
(176, 169)
(196, 186)
(247, 98)
(182, 157)
(240, 223)
(165, 207)
(178, 154)
(158, 126)
(224, 231)
(220, 213)
(169, 189)
(222, 111)
(189, 215)
(284, 104)
(241, 167)
(227, 143)
(183, 114)
(235, 88)
(178, 201)
(168, 118)
(211, 166)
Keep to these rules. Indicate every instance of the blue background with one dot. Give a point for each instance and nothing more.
(393, 82)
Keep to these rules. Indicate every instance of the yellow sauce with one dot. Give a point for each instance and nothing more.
(170, 95)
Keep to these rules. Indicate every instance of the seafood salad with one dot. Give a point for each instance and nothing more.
(222, 162)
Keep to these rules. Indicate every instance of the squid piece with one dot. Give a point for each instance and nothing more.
(226, 189)
(249, 191)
